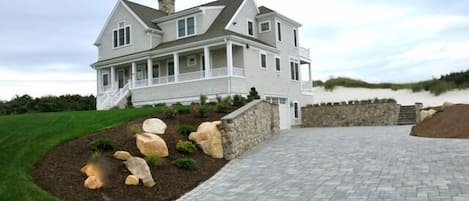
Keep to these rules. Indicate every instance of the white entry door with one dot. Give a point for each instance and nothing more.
(284, 111)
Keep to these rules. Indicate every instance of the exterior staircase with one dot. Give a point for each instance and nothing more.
(112, 98)
(407, 115)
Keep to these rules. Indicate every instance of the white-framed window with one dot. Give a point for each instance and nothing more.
(277, 64)
(279, 31)
(121, 36)
(264, 26)
(105, 80)
(156, 70)
(191, 60)
(295, 37)
(296, 109)
(250, 27)
(263, 60)
(186, 27)
(140, 74)
(294, 70)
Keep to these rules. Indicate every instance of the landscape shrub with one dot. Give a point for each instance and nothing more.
(185, 129)
(27, 104)
(222, 107)
(152, 160)
(169, 112)
(185, 163)
(253, 95)
(95, 157)
(183, 109)
(203, 111)
(228, 100)
(135, 130)
(160, 105)
(186, 147)
(239, 100)
(176, 104)
(104, 144)
(129, 103)
(203, 99)
(212, 103)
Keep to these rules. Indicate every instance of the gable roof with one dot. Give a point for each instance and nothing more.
(264, 10)
(146, 14)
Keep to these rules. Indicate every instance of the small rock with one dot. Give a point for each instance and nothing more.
(446, 105)
(149, 144)
(154, 125)
(93, 182)
(208, 137)
(139, 167)
(424, 114)
(122, 155)
(91, 170)
(132, 180)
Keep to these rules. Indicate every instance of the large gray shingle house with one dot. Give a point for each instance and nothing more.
(220, 48)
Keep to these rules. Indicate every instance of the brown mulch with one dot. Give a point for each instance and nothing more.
(59, 171)
(452, 122)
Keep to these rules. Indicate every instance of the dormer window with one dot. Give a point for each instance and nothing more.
(186, 27)
(264, 26)
(121, 35)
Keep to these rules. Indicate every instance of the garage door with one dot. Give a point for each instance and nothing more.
(284, 111)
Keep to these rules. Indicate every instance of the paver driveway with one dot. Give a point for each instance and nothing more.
(362, 163)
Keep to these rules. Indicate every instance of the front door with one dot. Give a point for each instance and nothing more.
(283, 109)
(121, 78)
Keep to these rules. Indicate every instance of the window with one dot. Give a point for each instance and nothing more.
(186, 27)
(139, 74)
(156, 70)
(277, 64)
(121, 36)
(295, 38)
(265, 26)
(263, 60)
(279, 31)
(296, 110)
(105, 80)
(294, 70)
(250, 28)
(191, 60)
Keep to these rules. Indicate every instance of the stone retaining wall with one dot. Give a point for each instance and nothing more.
(249, 126)
(379, 114)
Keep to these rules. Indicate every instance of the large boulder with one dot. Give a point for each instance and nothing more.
(427, 114)
(139, 168)
(208, 137)
(154, 125)
(93, 182)
(150, 144)
(95, 175)
(122, 155)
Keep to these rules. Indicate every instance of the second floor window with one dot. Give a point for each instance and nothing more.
(265, 27)
(186, 27)
(279, 31)
(294, 71)
(263, 60)
(295, 37)
(277, 64)
(121, 36)
(251, 28)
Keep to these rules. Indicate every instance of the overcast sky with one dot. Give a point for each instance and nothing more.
(46, 46)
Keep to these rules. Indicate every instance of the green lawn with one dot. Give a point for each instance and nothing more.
(24, 139)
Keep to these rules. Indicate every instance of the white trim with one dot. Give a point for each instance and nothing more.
(177, 15)
(253, 25)
(263, 22)
(159, 69)
(189, 58)
(236, 14)
(277, 22)
(186, 34)
(260, 60)
(203, 9)
(280, 63)
(167, 67)
(125, 35)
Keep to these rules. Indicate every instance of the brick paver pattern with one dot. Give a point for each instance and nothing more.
(351, 164)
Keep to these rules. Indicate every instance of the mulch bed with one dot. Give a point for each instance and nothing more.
(59, 171)
(452, 122)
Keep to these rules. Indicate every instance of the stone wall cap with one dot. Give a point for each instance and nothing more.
(242, 110)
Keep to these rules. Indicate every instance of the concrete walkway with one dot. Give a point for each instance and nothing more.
(362, 163)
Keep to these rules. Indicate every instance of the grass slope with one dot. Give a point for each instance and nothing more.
(25, 138)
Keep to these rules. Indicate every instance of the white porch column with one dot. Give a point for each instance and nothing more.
(134, 73)
(208, 66)
(113, 78)
(98, 80)
(229, 57)
(150, 71)
(176, 66)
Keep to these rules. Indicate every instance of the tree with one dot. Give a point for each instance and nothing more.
(253, 95)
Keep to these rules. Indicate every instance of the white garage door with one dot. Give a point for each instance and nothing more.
(284, 111)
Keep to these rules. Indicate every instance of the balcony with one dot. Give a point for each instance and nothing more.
(305, 54)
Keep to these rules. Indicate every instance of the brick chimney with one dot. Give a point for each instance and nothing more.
(167, 6)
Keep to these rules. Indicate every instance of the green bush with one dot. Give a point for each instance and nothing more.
(160, 105)
(135, 130)
(222, 107)
(186, 147)
(105, 144)
(95, 157)
(129, 102)
(169, 112)
(185, 129)
(185, 163)
(183, 109)
(152, 160)
(203, 111)
(239, 100)
(253, 95)
(203, 99)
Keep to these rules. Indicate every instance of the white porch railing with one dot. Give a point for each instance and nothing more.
(305, 53)
(111, 98)
(191, 76)
(238, 71)
(218, 72)
(307, 86)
